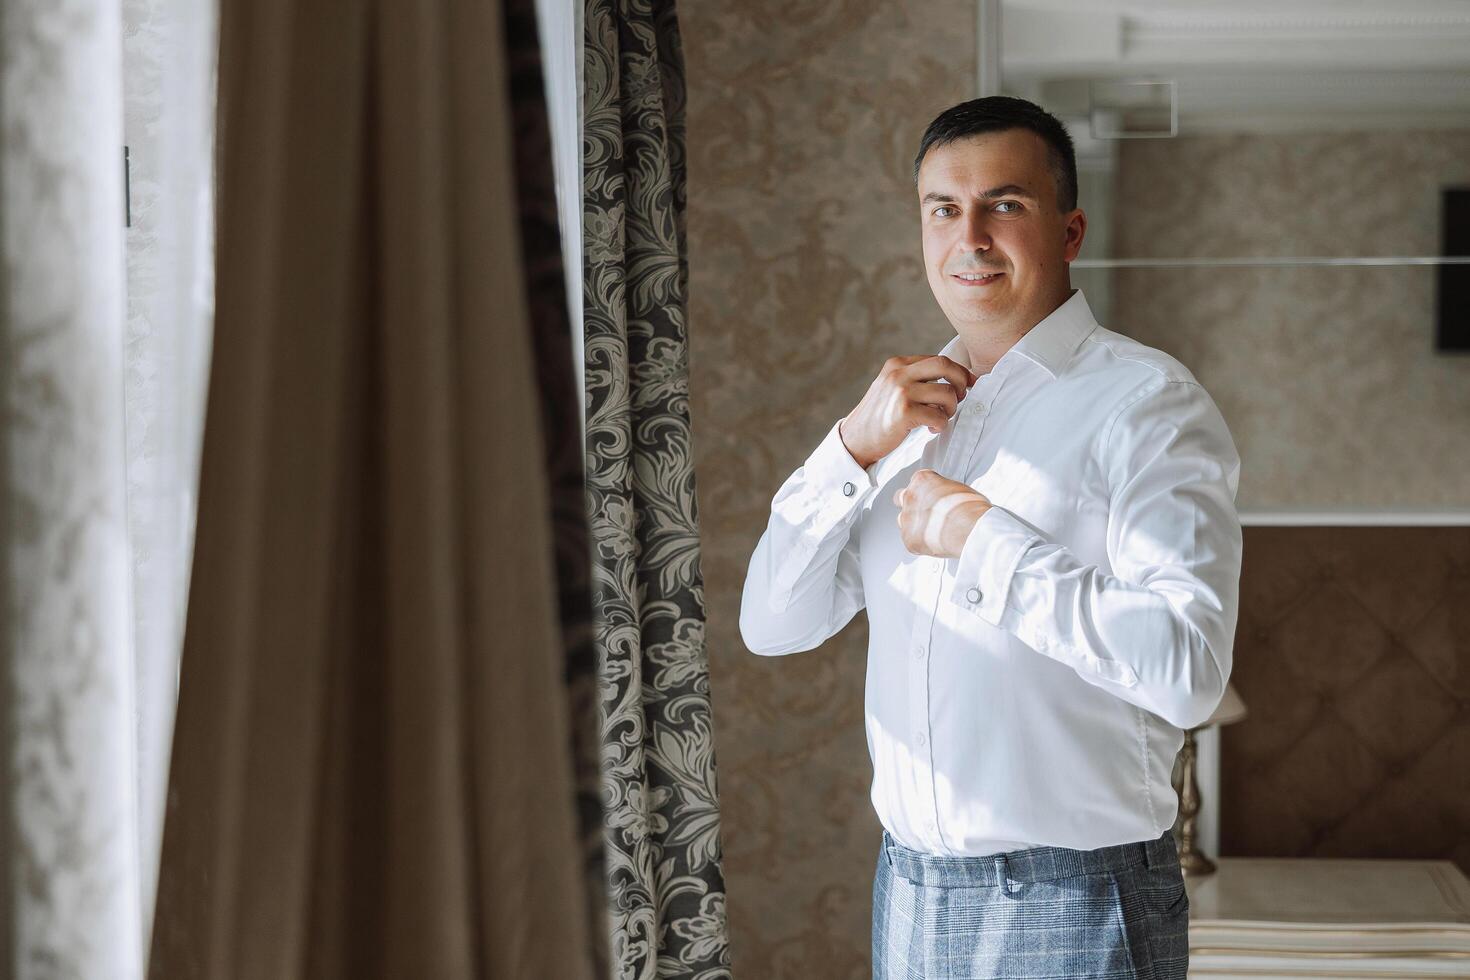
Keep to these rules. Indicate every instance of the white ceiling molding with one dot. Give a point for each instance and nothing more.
(1295, 64)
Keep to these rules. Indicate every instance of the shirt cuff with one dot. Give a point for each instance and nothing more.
(836, 475)
(833, 488)
(988, 561)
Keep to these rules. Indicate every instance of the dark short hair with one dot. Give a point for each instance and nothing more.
(996, 113)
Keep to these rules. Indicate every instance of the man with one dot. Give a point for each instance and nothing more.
(1040, 521)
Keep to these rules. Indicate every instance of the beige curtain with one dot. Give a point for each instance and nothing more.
(372, 772)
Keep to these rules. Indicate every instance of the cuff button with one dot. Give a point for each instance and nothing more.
(973, 595)
(848, 489)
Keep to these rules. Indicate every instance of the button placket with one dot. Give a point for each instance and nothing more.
(958, 449)
(918, 664)
(976, 417)
(966, 432)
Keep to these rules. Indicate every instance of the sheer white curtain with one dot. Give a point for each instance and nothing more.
(70, 847)
(559, 25)
(168, 87)
(103, 341)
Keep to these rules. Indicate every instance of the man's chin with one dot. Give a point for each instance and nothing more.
(988, 303)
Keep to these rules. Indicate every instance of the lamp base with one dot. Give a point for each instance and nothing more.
(1191, 862)
(1195, 865)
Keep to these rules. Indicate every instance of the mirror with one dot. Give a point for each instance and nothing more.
(1278, 194)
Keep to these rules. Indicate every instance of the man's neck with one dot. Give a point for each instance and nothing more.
(986, 343)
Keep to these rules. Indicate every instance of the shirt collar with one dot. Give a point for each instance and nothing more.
(1050, 343)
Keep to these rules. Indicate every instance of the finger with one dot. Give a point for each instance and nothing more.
(923, 483)
(916, 415)
(900, 362)
(943, 397)
(940, 367)
(898, 498)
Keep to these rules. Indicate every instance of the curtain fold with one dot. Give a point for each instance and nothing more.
(374, 754)
(541, 221)
(666, 888)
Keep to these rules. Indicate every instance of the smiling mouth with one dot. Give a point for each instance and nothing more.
(977, 278)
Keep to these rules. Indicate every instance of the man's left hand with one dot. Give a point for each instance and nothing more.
(936, 515)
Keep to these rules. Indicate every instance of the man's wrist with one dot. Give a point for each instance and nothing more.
(864, 463)
(963, 522)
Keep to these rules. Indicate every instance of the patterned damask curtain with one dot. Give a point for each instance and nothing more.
(666, 889)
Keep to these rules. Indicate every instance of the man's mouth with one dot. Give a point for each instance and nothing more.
(977, 278)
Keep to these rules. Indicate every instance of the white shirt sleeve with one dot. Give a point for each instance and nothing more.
(804, 582)
(1159, 630)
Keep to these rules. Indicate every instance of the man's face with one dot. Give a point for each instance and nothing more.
(988, 205)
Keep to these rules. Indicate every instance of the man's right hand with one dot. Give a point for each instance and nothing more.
(908, 392)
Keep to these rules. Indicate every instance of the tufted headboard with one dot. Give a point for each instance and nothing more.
(1353, 657)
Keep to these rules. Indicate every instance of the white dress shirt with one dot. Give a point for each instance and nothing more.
(1032, 691)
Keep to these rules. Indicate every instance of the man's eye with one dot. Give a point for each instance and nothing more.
(1015, 204)
(939, 211)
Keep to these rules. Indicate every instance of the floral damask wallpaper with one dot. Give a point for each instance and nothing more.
(803, 120)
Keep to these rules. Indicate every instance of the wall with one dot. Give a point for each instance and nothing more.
(1326, 376)
(803, 121)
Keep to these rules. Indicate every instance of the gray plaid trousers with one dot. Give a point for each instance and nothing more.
(1117, 912)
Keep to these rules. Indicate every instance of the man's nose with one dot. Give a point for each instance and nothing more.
(977, 231)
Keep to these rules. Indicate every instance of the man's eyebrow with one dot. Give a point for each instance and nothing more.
(1005, 190)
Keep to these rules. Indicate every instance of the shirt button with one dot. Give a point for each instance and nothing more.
(919, 652)
(923, 738)
(973, 595)
(848, 489)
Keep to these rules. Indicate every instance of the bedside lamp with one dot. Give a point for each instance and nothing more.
(1191, 861)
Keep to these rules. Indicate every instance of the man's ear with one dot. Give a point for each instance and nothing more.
(1075, 231)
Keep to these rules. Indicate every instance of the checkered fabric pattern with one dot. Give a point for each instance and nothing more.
(1119, 913)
